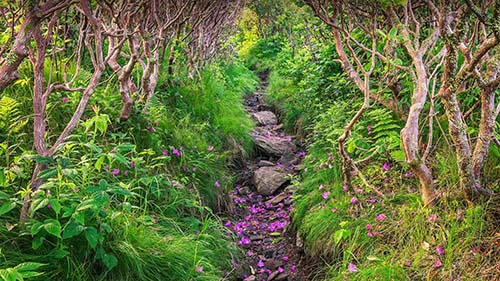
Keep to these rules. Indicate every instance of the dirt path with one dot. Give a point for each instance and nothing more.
(263, 203)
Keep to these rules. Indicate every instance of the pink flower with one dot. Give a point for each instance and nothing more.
(293, 268)
(433, 218)
(440, 250)
(408, 264)
(217, 184)
(368, 227)
(369, 234)
(438, 263)
(115, 172)
(380, 217)
(210, 148)
(386, 167)
(199, 269)
(132, 164)
(244, 241)
(344, 188)
(352, 268)
(289, 139)
(260, 264)
(174, 183)
(165, 152)
(280, 269)
(369, 129)
(334, 210)
(321, 187)
(65, 100)
(49, 206)
(325, 195)
(176, 152)
(284, 258)
(354, 200)
(227, 224)
(250, 253)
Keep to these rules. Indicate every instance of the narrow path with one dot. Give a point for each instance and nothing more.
(263, 202)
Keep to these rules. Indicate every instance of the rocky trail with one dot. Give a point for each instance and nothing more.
(263, 202)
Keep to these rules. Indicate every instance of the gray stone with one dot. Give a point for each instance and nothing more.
(268, 179)
(274, 146)
(265, 118)
(264, 163)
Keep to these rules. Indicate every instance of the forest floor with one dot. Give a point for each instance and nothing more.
(262, 197)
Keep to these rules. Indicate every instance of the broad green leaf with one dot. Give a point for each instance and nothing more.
(56, 206)
(37, 242)
(91, 236)
(110, 261)
(72, 229)
(36, 227)
(99, 162)
(39, 203)
(7, 207)
(53, 227)
(28, 266)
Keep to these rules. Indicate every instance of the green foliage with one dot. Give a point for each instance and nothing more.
(131, 200)
(21, 271)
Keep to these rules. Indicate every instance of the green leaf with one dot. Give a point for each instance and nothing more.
(53, 227)
(72, 229)
(392, 33)
(36, 227)
(91, 236)
(42, 159)
(7, 207)
(37, 242)
(109, 260)
(28, 266)
(56, 206)
(39, 203)
(99, 162)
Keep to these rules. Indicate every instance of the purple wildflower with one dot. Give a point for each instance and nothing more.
(354, 200)
(380, 217)
(433, 218)
(438, 263)
(260, 264)
(217, 184)
(386, 167)
(165, 152)
(244, 241)
(132, 164)
(199, 269)
(440, 250)
(352, 268)
(115, 172)
(325, 195)
(210, 148)
(65, 100)
(176, 152)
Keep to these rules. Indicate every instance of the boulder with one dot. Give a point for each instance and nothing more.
(274, 146)
(265, 118)
(268, 179)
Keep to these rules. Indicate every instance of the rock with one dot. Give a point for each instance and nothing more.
(283, 276)
(298, 242)
(265, 118)
(244, 190)
(250, 278)
(274, 146)
(273, 275)
(278, 198)
(268, 179)
(264, 163)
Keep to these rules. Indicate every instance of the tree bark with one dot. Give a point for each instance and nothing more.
(409, 134)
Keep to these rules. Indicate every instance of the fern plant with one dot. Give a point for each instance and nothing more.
(12, 122)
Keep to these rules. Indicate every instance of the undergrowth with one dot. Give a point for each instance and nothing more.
(133, 200)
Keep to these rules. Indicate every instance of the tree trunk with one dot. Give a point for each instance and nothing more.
(485, 135)
(458, 132)
(409, 134)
